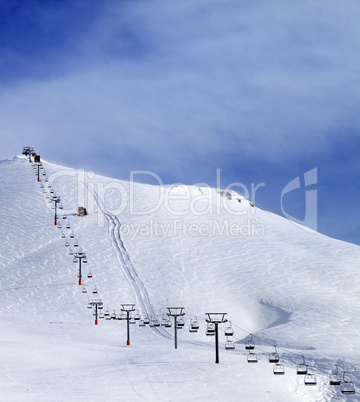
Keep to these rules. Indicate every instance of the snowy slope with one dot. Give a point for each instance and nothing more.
(154, 246)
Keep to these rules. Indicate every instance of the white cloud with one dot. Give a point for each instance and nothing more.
(175, 81)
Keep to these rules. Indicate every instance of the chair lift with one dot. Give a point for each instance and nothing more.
(84, 289)
(76, 244)
(229, 344)
(301, 368)
(310, 379)
(156, 322)
(67, 243)
(194, 325)
(59, 225)
(141, 322)
(136, 315)
(229, 331)
(72, 235)
(146, 320)
(132, 319)
(347, 387)
(62, 235)
(89, 305)
(335, 378)
(278, 369)
(68, 225)
(101, 315)
(252, 357)
(107, 313)
(210, 329)
(95, 290)
(250, 345)
(89, 275)
(180, 322)
(274, 357)
(165, 320)
(61, 206)
(71, 252)
(113, 315)
(122, 316)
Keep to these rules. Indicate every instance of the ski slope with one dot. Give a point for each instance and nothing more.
(158, 247)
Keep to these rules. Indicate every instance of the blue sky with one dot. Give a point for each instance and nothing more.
(263, 90)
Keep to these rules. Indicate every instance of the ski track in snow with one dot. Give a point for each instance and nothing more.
(123, 256)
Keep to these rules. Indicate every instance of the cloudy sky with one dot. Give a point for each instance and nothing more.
(263, 90)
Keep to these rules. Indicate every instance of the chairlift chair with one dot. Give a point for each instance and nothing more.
(229, 344)
(89, 305)
(302, 368)
(278, 369)
(89, 275)
(72, 235)
(84, 289)
(229, 331)
(194, 325)
(146, 320)
(61, 206)
(132, 320)
(164, 320)
(347, 387)
(141, 323)
(71, 252)
(335, 378)
(62, 235)
(68, 225)
(122, 316)
(156, 322)
(113, 315)
(101, 315)
(310, 379)
(252, 357)
(250, 345)
(76, 244)
(180, 322)
(136, 315)
(95, 290)
(67, 243)
(274, 357)
(210, 329)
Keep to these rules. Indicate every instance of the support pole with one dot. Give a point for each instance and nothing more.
(216, 343)
(80, 270)
(128, 327)
(175, 329)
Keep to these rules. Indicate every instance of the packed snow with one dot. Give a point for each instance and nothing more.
(205, 249)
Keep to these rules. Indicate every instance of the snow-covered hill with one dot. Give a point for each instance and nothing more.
(157, 247)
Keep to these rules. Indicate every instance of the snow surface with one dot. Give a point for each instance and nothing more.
(158, 247)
